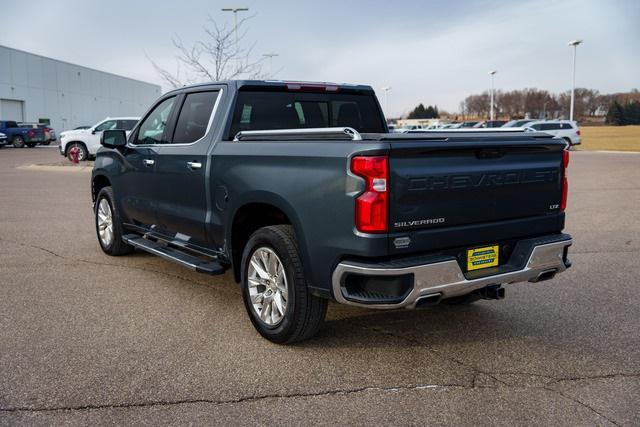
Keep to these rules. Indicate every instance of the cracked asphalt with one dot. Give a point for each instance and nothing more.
(90, 339)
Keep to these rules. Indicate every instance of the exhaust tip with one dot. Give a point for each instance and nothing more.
(427, 300)
(545, 275)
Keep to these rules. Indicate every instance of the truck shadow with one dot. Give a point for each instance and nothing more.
(436, 325)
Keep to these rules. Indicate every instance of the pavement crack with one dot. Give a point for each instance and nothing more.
(158, 403)
(583, 404)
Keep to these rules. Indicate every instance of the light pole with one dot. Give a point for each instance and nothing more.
(386, 90)
(235, 11)
(270, 56)
(492, 73)
(575, 44)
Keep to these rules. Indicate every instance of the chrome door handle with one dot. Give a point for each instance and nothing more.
(148, 162)
(194, 165)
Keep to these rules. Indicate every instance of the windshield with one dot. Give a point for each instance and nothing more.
(263, 110)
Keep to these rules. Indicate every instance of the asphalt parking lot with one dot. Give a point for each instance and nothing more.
(89, 339)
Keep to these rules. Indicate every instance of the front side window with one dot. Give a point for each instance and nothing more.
(194, 117)
(108, 125)
(536, 127)
(152, 128)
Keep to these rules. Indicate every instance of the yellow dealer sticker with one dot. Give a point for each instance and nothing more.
(482, 257)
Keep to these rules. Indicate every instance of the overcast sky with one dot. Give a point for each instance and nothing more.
(433, 52)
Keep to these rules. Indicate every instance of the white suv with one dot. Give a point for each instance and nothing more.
(565, 129)
(88, 140)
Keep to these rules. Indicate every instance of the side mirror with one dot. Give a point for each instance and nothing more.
(115, 138)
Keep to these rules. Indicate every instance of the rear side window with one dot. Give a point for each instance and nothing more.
(194, 117)
(263, 110)
(126, 124)
(536, 127)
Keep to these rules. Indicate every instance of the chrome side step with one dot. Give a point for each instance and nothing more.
(176, 255)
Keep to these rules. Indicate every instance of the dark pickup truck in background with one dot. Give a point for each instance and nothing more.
(301, 192)
(20, 136)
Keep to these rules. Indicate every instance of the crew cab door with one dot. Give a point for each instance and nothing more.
(138, 187)
(182, 168)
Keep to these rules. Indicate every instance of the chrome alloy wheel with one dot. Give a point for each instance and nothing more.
(267, 283)
(105, 223)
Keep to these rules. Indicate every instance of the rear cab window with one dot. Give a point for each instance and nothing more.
(271, 110)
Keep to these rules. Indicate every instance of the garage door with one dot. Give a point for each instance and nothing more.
(11, 109)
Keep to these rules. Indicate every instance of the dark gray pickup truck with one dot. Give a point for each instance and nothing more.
(301, 192)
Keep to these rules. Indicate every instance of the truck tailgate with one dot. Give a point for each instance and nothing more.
(454, 184)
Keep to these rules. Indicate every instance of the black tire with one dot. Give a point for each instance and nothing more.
(46, 142)
(304, 312)
(84, 153)
(116, 247)
(462, 299)
(31, 144)
(18, 141)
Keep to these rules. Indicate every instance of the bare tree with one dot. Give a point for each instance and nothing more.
(219, 56)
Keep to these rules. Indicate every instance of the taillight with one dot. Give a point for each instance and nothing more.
(372, 206)
(565, 182)
(578, 132)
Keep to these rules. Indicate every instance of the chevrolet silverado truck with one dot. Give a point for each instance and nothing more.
(299, 190)
(21, 136)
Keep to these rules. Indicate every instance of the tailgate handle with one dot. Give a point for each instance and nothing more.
(490, 153)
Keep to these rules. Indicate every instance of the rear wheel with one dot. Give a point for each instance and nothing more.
(274, 289)
(108, 225)
(18, 142)
(46, 142)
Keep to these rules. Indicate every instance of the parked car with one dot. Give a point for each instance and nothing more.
(517, 123)
(299, 190)
(21, 136)
(489, 124)
(467, 124)
(88, 140)
(3, 140)
(565, 129)
(49, 133)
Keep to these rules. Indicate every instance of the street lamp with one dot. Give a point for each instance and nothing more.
(492, 73)
(270, 56)
(386, 90)
(575, 44)
(235, 11)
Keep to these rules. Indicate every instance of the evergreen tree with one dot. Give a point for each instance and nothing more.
(615, 115)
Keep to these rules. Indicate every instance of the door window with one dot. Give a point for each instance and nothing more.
(126, 124)
(152, 128)
(108, 125)
(194, 117)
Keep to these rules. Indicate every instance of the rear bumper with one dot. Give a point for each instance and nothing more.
(438, 277)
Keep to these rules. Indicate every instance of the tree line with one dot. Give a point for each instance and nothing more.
(537, 103)
(420, 112)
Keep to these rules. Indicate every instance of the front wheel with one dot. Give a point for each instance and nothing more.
(108, 225)
(18, 142)
(83, 154)
(274, 289)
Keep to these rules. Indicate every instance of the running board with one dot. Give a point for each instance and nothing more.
(176, 255)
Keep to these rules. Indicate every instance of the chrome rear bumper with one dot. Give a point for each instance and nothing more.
(445, 279)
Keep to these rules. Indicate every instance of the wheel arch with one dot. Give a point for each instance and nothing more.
(98, 183)
(252, 215)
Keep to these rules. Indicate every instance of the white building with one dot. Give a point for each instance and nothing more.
(34, 88)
